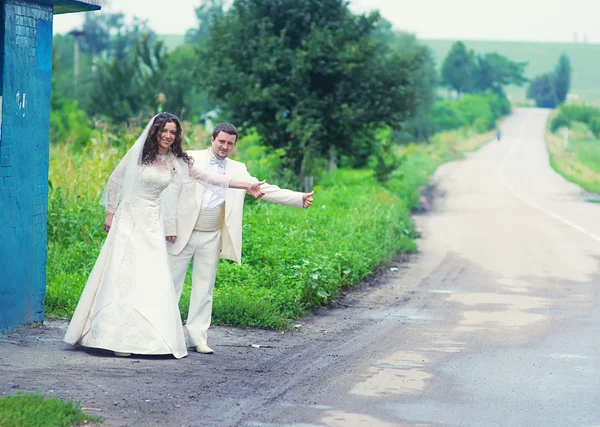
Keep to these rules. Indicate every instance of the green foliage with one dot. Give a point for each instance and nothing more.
(478, 111)
(494, 72)
(205, 14)
(577, 113)
(308, 75)
(130, 85)
(33, 410)
(181, 95)
(541, 90)
(425, 86)
(97, 30)
(133, 72)
(65, 85)
(262, 161)
(562, 78)
(458, 67)
(464, 71)
(69, 124)
(385, 161)
(541, 57)
(551, 89)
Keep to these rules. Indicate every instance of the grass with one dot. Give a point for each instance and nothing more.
(542, 58)
(579, 162)
(33, 410)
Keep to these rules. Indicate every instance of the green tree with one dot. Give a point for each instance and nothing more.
(562, 78)
(205, 14)
(425, 86)
(180, 85)
(125, 86)
(98, 31)
(494, 72)
(458, 68)
(541, 90)
(309, 76)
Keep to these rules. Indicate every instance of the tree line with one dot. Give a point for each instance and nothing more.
(312, 78)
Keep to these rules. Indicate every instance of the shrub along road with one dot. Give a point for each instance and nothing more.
(494, 322)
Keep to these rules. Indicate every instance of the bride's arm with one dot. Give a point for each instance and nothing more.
(112, 192)
(222, 181)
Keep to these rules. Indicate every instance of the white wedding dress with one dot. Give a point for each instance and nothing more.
(129, 304)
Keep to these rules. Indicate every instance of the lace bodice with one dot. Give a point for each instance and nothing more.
(153, 179)
(148, 181)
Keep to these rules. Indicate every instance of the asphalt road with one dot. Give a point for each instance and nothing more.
(495, 322)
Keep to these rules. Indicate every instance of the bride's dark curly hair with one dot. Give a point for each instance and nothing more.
(150, 150)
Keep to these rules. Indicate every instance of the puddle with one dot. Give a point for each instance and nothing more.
(402, 373)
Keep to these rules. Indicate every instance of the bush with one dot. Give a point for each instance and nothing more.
(561, 120)
(477, 111)
(595, 126)
(581, 113)
(69, 124)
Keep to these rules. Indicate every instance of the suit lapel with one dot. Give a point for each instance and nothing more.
(230, 172)
(200, 188)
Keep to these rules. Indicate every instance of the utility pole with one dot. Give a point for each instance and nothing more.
(76, 35)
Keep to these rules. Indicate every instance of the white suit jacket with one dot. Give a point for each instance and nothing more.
(181, 206)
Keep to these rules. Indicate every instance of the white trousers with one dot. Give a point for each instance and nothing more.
(204, 247)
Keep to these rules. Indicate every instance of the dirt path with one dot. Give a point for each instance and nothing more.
(218, 389)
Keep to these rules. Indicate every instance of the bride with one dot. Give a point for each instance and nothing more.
(129, 304)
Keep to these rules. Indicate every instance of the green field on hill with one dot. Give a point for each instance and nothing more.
(542, 58)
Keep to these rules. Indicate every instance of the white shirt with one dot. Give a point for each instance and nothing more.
(212, 199)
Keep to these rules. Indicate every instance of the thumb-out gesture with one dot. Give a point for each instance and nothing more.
(255, 190)
(307, 199)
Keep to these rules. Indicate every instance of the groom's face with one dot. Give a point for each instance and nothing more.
(223, 144)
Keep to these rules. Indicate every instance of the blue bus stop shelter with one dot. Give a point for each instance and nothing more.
(25, 89)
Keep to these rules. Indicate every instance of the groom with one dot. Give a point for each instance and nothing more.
(205, 226)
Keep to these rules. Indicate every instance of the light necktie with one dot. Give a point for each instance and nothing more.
(214, 160)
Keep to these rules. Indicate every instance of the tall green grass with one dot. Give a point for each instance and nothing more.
(579, 161)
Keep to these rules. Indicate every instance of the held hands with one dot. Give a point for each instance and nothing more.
(171, 239)
(307, 199)
(108, 221)
(255, 190)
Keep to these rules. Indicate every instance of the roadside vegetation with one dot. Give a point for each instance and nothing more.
(578, 160)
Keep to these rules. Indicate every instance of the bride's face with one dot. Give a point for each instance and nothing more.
(166, 137)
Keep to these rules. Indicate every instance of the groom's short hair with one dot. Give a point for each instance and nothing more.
(225, 127)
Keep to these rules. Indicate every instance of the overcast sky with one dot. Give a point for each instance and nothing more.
(531, 20)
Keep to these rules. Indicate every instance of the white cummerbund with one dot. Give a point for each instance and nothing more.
(210, 219)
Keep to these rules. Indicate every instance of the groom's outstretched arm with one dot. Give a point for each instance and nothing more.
(282, 196)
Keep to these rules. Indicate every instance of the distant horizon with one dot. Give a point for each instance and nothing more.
(541, 21)
(464, 39)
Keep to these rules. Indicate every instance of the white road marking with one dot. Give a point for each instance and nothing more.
(529, 202)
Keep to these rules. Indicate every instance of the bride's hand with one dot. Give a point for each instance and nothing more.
(108, 221)
(255, 190)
